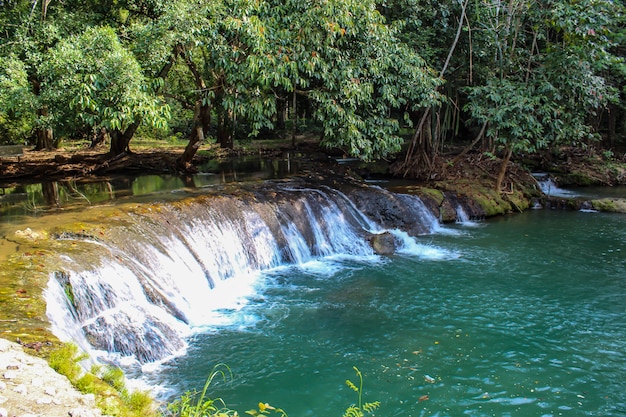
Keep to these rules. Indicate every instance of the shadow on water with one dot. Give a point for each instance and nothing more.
(28, 200)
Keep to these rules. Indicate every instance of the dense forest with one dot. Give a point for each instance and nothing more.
(374, 78)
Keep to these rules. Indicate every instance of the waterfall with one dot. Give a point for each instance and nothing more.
(463, 218)
(158, 271)
(550, 188)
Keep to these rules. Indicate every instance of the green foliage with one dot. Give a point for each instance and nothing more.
(93, 80)
(106, 382)
(197, 404)
(17, 102)
(264, 409)
(359, 409)
(65, 361)
(363, 68)
(359, 75)
(547, 84)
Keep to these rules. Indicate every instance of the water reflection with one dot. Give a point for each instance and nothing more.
(32, 199)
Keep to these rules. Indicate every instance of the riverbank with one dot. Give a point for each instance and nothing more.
(468, 184)
(30, 387)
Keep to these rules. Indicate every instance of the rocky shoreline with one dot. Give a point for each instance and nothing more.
(30, 388)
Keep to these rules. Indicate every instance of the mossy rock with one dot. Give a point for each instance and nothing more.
(577, 178)
(436, 200)
(425, 192)
(490, 202)
(612, 205)
(518, 200)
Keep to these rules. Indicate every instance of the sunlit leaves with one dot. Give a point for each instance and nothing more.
(17, 101)
(358, 74)
(93, 78)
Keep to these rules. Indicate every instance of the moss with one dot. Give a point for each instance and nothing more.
(107, 383)
(613, 205)
(432, 193)
(518, 200)
(436, 200)
(490, 202)
(577, 178)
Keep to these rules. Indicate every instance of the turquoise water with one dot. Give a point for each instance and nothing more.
(524, 315)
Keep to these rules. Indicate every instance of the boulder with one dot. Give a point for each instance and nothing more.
(383, 244)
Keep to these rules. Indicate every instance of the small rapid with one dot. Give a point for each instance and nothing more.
(160, 273)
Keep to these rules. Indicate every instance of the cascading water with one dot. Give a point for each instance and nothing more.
(550, 188)
(139, 288)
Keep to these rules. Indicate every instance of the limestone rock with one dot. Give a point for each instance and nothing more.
(383, 244)
(29, 387)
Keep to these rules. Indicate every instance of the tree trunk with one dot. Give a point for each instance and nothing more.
(117, 144)
(43, 135)
(98, 138)
(281, 109)
(45, 139)
(205, 118)
(471, 145)
(120, 140)
(225, 131)
(503, 168)
(294, 111)
(50, 191)
(183, 163)
(201, 123)
(612, 124)
(421, 153)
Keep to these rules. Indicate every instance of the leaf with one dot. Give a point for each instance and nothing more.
(351, 385)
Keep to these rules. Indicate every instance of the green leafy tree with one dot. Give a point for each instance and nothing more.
(17, 102)
(544, 84)
(30, 30)
(360, 78)
(339, 55)
(92, 79)
(365, 80)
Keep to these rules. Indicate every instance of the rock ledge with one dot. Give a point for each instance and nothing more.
(30, 388)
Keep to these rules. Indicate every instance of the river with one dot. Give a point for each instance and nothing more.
(520, 315)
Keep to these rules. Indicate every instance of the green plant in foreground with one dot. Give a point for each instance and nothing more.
(197, 404)
(265, 410)
(361, 408)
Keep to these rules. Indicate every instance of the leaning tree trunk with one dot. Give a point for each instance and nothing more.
(503, 168)
(201, 124)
